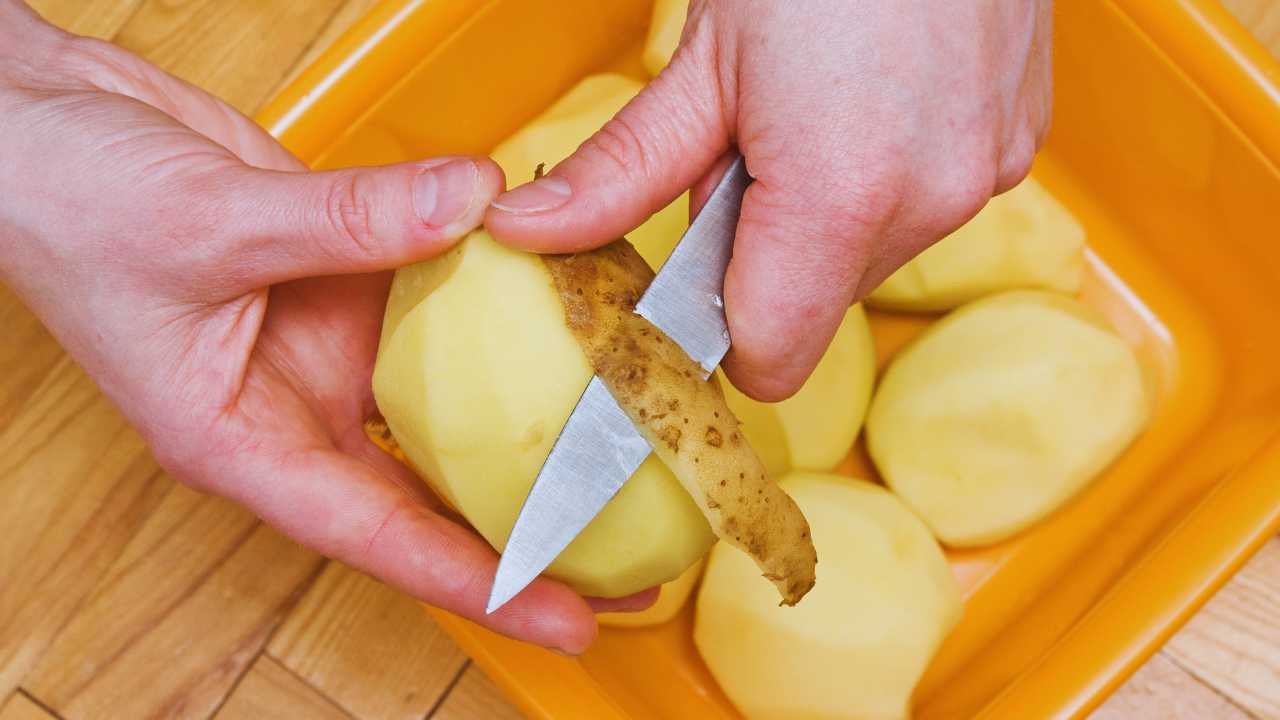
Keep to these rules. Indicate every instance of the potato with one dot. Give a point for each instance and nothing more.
(1021, 239)
(556, 133)
(684, 418)
(1002, 411)
(860, 641)
(815, 428)
(664, 33)
(670, 601)
(476, 374)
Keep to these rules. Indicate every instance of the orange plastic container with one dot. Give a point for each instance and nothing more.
(1166, 144)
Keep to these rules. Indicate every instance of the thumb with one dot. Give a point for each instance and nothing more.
(280, 226)
(641, 160)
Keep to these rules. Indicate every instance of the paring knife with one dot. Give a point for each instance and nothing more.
(599, 447)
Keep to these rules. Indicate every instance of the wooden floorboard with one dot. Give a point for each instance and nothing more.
(475, 696)
(237, 49)
(97, 18)
(1161, 690)
(77, 484)
(1233, 643)
(373, 650)
(269, 690)
(1261, 17)
(181, 614)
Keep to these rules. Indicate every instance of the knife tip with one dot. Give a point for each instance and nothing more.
(502, 592)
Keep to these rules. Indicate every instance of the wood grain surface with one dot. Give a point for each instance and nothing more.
(126, 595)
(269, 690)
(20, 706)
(367, 647)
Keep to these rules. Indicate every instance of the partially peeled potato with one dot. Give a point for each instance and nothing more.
(476, 374)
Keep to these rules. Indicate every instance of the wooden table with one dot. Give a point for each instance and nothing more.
(123, 594)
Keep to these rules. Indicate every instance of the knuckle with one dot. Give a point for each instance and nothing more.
(971, 186)
(1016, 161)
(620, 143)
(386, 529)
(349, 214)
(870, 200)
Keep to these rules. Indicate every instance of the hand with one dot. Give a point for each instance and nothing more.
(872, 129)
(229, 302)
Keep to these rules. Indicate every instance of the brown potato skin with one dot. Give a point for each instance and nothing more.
(684, 417)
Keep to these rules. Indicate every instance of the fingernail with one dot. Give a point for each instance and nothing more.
(444, 193)
(541, 195)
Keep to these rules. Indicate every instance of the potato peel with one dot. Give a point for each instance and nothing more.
(684, 418)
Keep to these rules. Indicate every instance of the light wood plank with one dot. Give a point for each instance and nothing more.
(371, 649)
(475, 696)
(28, 354)
(21, 707)
(1161, 690)
(178, 617)
(76, 483)
(270, 691)
(348, 14)
(236, 49)
(1262, 17)
(1233, 643)
(97, 18)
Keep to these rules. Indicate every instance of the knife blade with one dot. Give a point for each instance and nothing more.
(685, 301)
(599, 447)
(560, 503)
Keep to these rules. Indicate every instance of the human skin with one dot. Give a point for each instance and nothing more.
(872, 130)
(229, 303)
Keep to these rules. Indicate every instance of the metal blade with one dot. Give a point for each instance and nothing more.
(685, 300)
(598, 449)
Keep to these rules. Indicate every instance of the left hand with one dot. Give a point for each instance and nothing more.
(229, 302)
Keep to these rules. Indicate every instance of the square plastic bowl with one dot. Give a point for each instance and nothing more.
(1165, 144)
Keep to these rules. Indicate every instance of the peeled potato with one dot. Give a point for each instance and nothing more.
(861, 639)
(476, 374)
(1002, 411)
(664, 33)
(1022, 239)
(671, 600)
(556, 133)
(814, 429)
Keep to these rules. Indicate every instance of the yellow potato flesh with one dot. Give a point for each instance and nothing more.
(1022, 239)
(815, 428)
(664, 33)
(556, 133)
(1002, 411)
(860, 640)
(476, 374)
(670, 601)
